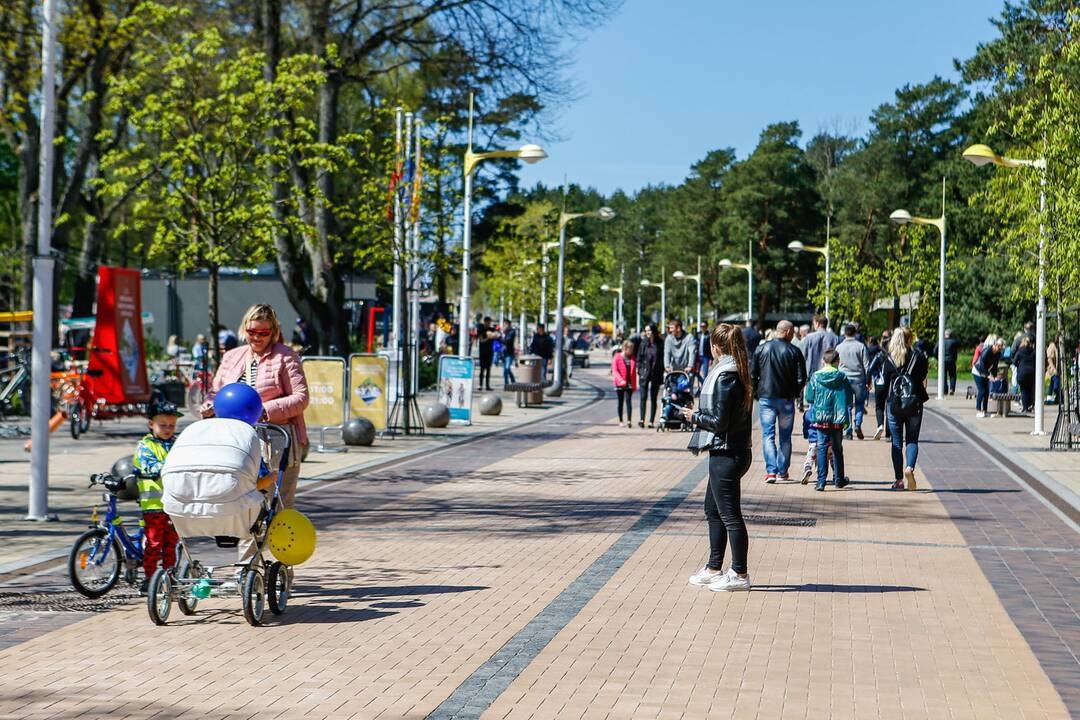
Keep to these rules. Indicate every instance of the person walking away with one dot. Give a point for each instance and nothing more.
(814, 346)
(830, 396)
(678, 349)
(797, 341)
(1024, 360)
(951, 347)
(624, 374)
(777, 374)
(160, 538)
(984, 368)
(543, 347)
(751, 336)
(855, 364)
(722, 426)
(650, 369)
(509, 341)
(1053, 397)
(703, 348)
(905, 374)
(876, 371)
(485, 337)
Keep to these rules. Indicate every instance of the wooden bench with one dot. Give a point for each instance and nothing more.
(1004, 402)
(524, 390)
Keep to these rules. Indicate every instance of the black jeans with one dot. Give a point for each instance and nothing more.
(649, 389)
(724, 511)
(1027, 389)
(485, 372)
(950, 377)
(625, 395)
(881, 396)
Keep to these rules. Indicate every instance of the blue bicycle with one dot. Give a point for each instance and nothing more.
(100, 553)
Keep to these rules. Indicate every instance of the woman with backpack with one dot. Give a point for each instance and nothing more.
(984, 368)
(624, 374)
(905, 376)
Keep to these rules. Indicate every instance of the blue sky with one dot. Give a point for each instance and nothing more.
(667, 80)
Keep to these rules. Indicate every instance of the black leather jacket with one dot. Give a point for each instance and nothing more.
(778, 370)
(727, 417)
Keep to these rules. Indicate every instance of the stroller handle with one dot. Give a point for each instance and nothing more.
(283, 463)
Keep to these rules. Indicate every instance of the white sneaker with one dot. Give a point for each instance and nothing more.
(879, 432)
(730, 582)
(704, 576)
(980, 414)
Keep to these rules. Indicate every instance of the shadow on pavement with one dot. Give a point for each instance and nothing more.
(832, 588)
(324, 604)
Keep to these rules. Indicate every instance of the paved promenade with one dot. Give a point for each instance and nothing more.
(542, 573)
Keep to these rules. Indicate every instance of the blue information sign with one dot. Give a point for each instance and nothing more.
(456, 387)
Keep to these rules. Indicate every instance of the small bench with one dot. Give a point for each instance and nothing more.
(524, 390)
(1004, 402)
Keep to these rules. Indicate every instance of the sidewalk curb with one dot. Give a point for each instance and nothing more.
(1064, 502)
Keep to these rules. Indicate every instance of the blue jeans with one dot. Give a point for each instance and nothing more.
(982, 392)
(776, 413)
(834, 438)
(905, 441)
(859, 389)
(508, 374)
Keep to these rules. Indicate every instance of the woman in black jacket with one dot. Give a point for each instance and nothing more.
(722, 425)
(1024, 360)
(650, 370)
(984, 370)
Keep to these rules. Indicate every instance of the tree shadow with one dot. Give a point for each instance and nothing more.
(834, 588)
(327, 604)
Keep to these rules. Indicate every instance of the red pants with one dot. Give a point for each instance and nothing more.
(159, 542)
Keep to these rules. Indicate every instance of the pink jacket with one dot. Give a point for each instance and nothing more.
(280, 381)
(620, 368)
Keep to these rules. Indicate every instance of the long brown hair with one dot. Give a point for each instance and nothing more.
(728, 339)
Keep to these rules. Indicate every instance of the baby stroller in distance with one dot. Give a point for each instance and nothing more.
(204, 500)
(678, 393)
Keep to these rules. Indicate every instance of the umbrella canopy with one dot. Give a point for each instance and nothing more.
(575, 313)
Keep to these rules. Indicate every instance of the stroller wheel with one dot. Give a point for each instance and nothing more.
(159, 596)
(254, 594)
(277, 583)
(186, 602)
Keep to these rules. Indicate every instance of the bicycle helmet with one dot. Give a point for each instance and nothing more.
(162, 407)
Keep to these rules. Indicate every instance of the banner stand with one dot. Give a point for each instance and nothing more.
(328, 397)
(455, 387)
(369, 389)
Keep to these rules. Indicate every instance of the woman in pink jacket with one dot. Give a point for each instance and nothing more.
(624, 372)
(275, 371)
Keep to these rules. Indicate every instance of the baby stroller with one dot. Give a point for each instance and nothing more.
(211, 480)
(678, 393)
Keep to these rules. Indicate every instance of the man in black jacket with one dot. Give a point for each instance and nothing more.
(952, 348)
(778, 372)
(544, 346)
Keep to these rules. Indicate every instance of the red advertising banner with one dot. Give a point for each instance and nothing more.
(118, 353)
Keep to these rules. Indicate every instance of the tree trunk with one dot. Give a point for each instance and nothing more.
(212, 305)
(82, 303)
(28, 190)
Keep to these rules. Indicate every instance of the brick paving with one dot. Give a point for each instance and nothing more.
(542, 573)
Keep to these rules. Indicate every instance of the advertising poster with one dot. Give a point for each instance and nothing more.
(456, 387)
(367, 389)
(118, 338)
(326, 390)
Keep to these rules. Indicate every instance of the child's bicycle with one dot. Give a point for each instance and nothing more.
(100, 553)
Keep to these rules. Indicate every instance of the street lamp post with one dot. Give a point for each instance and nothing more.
(902, 217)
(680, 275)
(749, 268)
(605, 214)
(616, 310)
(982, 155)
(529, 154)
(663, 295)
(799, 247)
(544, 272)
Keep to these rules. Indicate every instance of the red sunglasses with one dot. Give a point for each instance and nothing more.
(252, 332)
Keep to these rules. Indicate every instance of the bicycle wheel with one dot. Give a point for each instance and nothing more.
(254, 592)
(94, 563)
(186, 602)
(159, 596)
(277, 583)
(75, 414)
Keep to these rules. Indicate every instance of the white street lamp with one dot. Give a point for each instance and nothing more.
(680, 275)
(799, 247)
(980, 155)
(663, 296)
(616, 314)
(527, 153)
(902, 217)
(604, 214)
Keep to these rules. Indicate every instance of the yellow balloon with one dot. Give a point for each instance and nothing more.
(291, 537)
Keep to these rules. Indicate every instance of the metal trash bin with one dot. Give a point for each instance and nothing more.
(529, 372)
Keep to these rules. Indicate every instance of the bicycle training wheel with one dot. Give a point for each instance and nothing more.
(254, 593)
(94, 563)
(159, 596)
(277, 584)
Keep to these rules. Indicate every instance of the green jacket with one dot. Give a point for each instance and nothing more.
(831, 395)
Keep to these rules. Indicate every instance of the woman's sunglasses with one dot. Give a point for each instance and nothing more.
(252, 332)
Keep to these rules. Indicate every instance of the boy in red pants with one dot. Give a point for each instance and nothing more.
(160, 538)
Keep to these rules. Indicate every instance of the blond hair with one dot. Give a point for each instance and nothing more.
(899, 344)
(266, 314)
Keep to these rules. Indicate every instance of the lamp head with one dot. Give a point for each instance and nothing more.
(900, 217)
(725, 263)
(531, 154)
(645, 283)
(980, 155)
(605, 213)
(796, 246)
(678, 275)
(605, 287)
(576, 241)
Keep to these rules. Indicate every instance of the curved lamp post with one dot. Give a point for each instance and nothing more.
(749, 268)
(663, 296)
(903, 217)
(616, 315)
(527, 153)
(799, 247)
(680, 275)
(982, 155)
(605, 214)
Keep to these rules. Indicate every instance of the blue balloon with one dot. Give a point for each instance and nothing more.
(238, 402)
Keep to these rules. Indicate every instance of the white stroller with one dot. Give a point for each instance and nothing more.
(210, 480)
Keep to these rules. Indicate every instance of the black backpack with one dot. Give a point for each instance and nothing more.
(903, 402)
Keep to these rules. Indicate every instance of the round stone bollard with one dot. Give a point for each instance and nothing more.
(436, 415)
(490, 404)
(358, 431)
